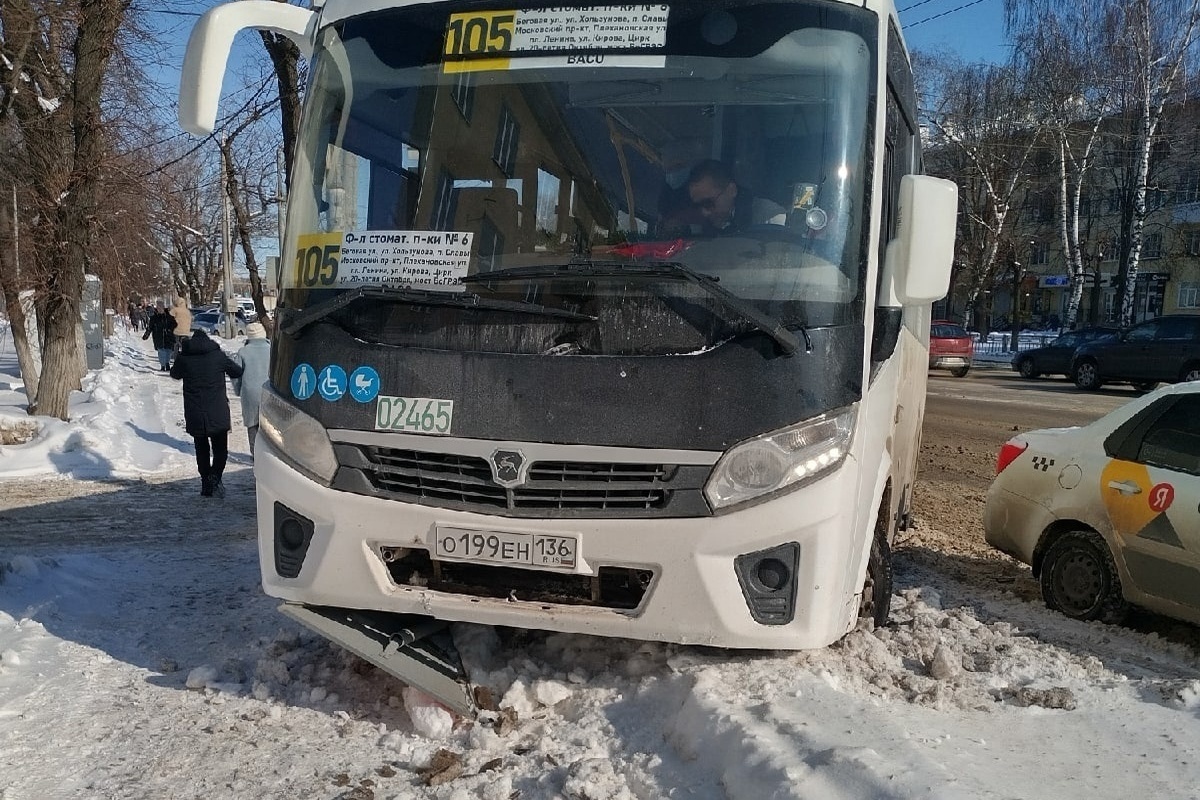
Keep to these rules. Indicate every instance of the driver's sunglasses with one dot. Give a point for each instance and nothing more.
(710, 203)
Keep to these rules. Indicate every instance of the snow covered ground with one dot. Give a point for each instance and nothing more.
(140, 659)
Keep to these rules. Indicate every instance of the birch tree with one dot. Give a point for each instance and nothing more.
(981, 125)
(1147, 50)
(1073, 106)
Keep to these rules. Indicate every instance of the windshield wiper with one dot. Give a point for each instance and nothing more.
(786, 340)
(308, 316)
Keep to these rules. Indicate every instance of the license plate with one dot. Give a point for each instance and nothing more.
(539, 550)
(414, 414)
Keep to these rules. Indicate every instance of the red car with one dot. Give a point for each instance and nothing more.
(950, 347)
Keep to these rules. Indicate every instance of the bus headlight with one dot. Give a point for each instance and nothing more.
(298, 437)
(787, 458)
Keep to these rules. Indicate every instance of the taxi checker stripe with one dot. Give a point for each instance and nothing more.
(1043, 463)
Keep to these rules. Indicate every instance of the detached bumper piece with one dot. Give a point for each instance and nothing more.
(418, 650)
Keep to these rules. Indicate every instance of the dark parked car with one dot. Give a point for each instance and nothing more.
(1161, 350)
(950, 347)
(1055, 357)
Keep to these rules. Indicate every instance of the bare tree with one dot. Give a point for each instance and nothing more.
(1060, 58)
(981, 122)
(10, 286)
(285, 61)
(185, 230)
(52, 95)
(1146, 49)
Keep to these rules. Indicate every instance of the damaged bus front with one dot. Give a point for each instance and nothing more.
(599, 319)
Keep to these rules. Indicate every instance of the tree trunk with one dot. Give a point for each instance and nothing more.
(62, 360)
(285, 58)
(10, 286)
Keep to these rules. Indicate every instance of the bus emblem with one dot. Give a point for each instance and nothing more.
(508, 468)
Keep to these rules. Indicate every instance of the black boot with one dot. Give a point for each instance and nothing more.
(206, 486)
(218, 488)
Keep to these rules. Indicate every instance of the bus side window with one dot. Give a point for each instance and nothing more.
(900, 157)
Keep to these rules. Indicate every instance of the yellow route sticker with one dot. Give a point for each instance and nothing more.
(317, 258)
(485, 40)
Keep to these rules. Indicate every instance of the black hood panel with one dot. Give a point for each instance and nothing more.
(706, 401)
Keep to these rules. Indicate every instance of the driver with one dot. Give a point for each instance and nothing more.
(723, 205)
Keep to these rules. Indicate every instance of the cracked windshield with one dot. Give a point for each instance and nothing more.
(609, 180)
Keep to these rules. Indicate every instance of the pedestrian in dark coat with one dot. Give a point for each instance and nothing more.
(162, 328)
(202, 366)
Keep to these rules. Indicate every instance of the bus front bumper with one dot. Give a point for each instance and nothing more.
(705, 577)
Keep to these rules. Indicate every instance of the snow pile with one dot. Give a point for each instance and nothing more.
(140, 659)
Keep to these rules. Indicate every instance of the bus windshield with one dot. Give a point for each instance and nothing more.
(517, 159)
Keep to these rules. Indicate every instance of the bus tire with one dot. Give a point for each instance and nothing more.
(876, 600)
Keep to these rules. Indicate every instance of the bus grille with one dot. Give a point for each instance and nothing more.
(553, 488)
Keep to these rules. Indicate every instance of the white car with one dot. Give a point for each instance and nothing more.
(1107, 514)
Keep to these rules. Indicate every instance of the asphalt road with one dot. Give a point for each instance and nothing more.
(968, 419)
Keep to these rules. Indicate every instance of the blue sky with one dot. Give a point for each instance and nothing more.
(972, 28)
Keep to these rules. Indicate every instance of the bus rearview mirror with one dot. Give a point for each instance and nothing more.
(208, 53)
(917, 266)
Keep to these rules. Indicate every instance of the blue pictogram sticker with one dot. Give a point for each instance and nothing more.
(331, 383)
(364, 384)
(304, 381)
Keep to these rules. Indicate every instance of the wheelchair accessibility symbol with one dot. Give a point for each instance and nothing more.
(331, 383)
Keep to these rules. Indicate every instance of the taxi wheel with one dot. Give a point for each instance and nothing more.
(960, 372)
(876, 602)
(1027, 368)
(1079, 578)
(1087, 376)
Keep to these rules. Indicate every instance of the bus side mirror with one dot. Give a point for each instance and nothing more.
(209, 46)
(917, 265)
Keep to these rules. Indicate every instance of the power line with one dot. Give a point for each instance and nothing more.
(943, 14)
(914, 5)
(196, 13)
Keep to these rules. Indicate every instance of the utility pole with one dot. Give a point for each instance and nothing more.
(226, 255)
(1015, 320)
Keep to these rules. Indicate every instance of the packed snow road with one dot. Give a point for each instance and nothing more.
(139, 659)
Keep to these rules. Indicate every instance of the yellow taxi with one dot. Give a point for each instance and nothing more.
(1108, 514)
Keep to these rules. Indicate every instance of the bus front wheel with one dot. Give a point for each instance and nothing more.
(876, 601)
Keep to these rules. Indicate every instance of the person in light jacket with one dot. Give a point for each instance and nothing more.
(202, 366)
(255, 360)
(183, 321)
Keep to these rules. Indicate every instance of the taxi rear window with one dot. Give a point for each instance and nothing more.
(1166, 434)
